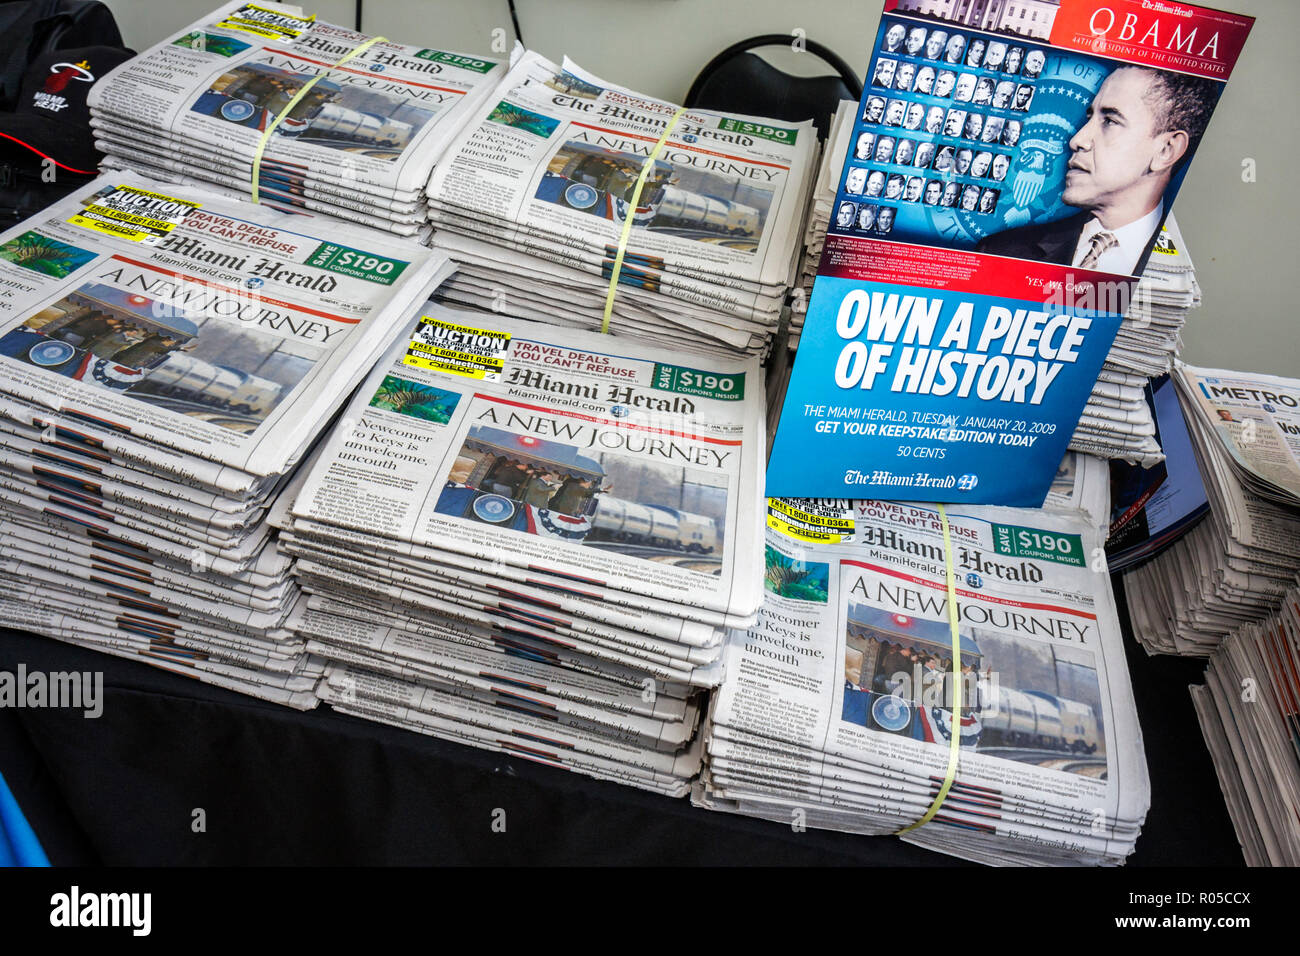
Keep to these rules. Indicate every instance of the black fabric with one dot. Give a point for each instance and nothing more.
(281, 787)
(32, 27)
(52, 117)
(1052, 241)
(53, 52)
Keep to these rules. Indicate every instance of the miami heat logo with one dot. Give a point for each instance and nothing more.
(61, 74)
(50, 97)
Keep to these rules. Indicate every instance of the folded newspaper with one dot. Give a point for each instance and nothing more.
(532, 197)
(523, 538)
(1256, 420)
(166, 357)
(1247, 711)
(1116, 422)
(373, 118)
(1235, 567)
(821, 207)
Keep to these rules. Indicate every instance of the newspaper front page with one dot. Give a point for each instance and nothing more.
(848, 673)
(378, 123)
(554, 158)
(577, 456)
(153, 313)
(1256, 419)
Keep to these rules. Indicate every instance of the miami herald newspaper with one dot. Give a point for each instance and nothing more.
(241, 326)
(578, 454)
(547, 168)
(840, 700)
(360, 142)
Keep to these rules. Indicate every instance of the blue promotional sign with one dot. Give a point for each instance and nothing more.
(916, 394)
(1004, 184)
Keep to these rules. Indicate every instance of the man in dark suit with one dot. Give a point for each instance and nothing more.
(1141, 126)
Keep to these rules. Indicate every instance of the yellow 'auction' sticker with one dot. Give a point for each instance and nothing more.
(259, 21)
(458, 349)
(135, 214)
(801, 533)
(807, 517)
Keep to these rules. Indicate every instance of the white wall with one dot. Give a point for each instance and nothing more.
(1240, 234)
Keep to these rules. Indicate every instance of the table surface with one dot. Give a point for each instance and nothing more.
(276, 786)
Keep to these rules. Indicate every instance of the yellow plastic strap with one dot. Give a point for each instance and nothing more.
(648, 165)
(266, 136)
(954, 743)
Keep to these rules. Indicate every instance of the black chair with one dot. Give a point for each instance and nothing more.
(737, 81)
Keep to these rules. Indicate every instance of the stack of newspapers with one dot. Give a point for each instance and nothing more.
(821, 204)
(534, 195)
(778, 369)
(360, 144)
(838, 709)
(167, 356)
(532, 539)
(1247, 711)
(1236, 566)
(1116, 422)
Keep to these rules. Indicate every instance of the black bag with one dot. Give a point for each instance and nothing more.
(46, 146)
(32, 27)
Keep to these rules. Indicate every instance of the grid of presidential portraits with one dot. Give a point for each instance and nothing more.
(970, 139)
(940, 120)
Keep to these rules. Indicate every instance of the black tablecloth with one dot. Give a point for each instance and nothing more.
(281, 787)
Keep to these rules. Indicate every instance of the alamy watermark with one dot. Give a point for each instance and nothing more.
(75, 690)
(133, 911)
